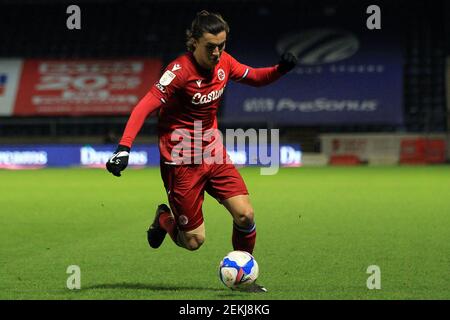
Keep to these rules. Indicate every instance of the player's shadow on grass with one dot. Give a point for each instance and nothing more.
(152, 287)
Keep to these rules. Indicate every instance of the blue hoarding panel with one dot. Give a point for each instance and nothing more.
(346, 74)
(95, 156)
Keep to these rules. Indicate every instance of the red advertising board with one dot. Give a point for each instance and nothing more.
(422, 151)
(84, 87)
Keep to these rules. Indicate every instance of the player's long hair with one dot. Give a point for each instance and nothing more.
(205, 22)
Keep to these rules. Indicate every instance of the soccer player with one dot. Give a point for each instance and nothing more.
(189, 91)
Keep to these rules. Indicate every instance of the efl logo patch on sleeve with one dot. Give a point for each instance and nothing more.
(167, 78)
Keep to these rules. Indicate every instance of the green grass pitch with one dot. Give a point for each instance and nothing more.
(318, 231)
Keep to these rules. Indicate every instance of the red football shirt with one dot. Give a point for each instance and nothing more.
(188, 97)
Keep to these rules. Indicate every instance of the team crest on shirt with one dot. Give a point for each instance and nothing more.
(221, 74)
(167, 78)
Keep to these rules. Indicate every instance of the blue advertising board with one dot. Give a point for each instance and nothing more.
(346, 73)
(95, 156)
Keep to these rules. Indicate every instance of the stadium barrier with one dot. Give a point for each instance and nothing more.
(422, 151)
(345, 160)
(435, 151)
(448, 144)
(314, 159)
(412, 151)
(448, 105)
(384, 149)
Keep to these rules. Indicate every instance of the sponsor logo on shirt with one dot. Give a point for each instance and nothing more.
(198, 98)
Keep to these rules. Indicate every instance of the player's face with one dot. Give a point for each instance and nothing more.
(209, 48)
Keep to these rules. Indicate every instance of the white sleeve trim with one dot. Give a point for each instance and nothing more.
(245, 74)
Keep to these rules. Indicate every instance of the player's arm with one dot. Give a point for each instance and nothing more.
(146, 106)
(119, 160)
(159, 94)
(262, 76)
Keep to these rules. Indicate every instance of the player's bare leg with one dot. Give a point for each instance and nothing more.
(244, 229)
(192, 240)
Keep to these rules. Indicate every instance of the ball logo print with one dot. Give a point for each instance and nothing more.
(319, 46)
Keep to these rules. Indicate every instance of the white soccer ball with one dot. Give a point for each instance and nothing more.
(238, 269)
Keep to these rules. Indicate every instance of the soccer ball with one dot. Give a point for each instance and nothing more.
(238, 269)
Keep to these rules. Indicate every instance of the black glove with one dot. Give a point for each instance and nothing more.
(288, 61)
(119, 160)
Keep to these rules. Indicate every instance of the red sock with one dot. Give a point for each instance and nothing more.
(244, 238)
(167, 222)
